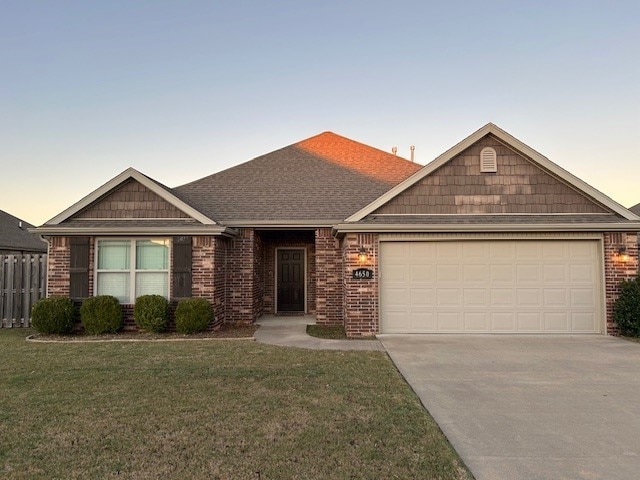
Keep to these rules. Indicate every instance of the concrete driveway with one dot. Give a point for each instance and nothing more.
(530, 407)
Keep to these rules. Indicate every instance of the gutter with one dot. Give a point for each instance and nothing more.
(341, 229)
(90, 231)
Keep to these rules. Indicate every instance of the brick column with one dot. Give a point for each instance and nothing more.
(205, 269)
(328, 263)
(360, 295)
(615, 270)
(240, 278)
(58, 265)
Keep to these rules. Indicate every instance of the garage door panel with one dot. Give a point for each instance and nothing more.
(556, 321)
(528, 297)
(554, 273)
(501, 297)
(476, 321)
(423, 321)
(450, 321)
(502, 273)
(582, 273)
(502, 321)
(448, 273)
(556, 297)
(474, 296)
(582, 321)
(529, 322)
(514, 286)
(583, 297)
(449, 297)
(422, 297)
(528, 273)
(422, 272)
(394, 296)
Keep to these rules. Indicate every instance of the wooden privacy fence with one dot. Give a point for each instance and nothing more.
(22, 282)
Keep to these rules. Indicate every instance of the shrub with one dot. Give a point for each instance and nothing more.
(53, 315)
(626, 309)
(151, 313)
(101, 314)
(193, 315)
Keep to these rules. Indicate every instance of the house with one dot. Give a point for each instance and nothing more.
(15, 237)
(635, 209)
(490, 237)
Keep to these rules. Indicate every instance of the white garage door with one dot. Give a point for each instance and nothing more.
(510, 286)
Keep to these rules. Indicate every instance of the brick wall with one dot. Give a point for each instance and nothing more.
(360, 295)
(58, 265)
(240, 277)
(329, 270)
(615, 270)
(204, 269)
(273, 240)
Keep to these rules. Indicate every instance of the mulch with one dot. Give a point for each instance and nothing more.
(241, 332)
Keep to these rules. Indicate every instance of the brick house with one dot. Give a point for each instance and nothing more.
(491, 236)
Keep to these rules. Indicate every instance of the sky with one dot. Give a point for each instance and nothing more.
(183, 89)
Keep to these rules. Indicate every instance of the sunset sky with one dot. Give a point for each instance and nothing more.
(182, 89)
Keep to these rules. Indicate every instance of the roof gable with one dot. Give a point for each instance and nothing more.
(320, 180)
(517, 186)
(131, 195)
(578, 188)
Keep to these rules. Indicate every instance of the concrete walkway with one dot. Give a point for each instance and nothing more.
(291, 331)
(530, 407)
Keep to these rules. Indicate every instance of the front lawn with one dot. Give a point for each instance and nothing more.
(207, 409)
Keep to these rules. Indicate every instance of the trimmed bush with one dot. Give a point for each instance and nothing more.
(101, 314)
(53, 315)
(151, 313)
(626, 309)
(193, 315)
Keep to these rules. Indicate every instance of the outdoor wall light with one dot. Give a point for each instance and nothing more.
(623, 256)
(362, 256)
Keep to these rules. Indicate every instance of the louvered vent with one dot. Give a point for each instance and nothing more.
(488, 160)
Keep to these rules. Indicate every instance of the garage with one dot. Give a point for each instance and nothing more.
(491, 286)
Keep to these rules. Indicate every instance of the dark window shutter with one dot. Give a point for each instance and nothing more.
(182, 267)
(79, 268)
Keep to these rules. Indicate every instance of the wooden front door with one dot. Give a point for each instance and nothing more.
(290, 279)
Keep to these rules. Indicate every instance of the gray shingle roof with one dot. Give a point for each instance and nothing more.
(326, 177)
(12, 237)
(635, 209)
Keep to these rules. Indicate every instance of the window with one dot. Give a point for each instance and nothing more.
(130, 268)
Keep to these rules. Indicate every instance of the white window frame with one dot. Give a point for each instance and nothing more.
(132, 271)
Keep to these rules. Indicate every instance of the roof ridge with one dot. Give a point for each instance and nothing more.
(370, 147)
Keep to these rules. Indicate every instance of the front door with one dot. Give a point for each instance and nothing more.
(290, 280)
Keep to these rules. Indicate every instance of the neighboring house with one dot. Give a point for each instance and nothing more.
(635, 209)
(489, 237)
(16, 239)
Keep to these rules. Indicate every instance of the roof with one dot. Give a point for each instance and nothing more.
(503, 136)
(635, 209)
(322, 179)
(15, 237)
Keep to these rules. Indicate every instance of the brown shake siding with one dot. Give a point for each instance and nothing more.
(131, 200)
(518, 186)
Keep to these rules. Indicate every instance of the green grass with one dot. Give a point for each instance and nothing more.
(332, 332)
(210, 410)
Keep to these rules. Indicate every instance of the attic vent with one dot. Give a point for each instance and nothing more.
(488, 160)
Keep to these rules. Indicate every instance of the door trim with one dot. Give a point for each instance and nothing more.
(275, 276)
